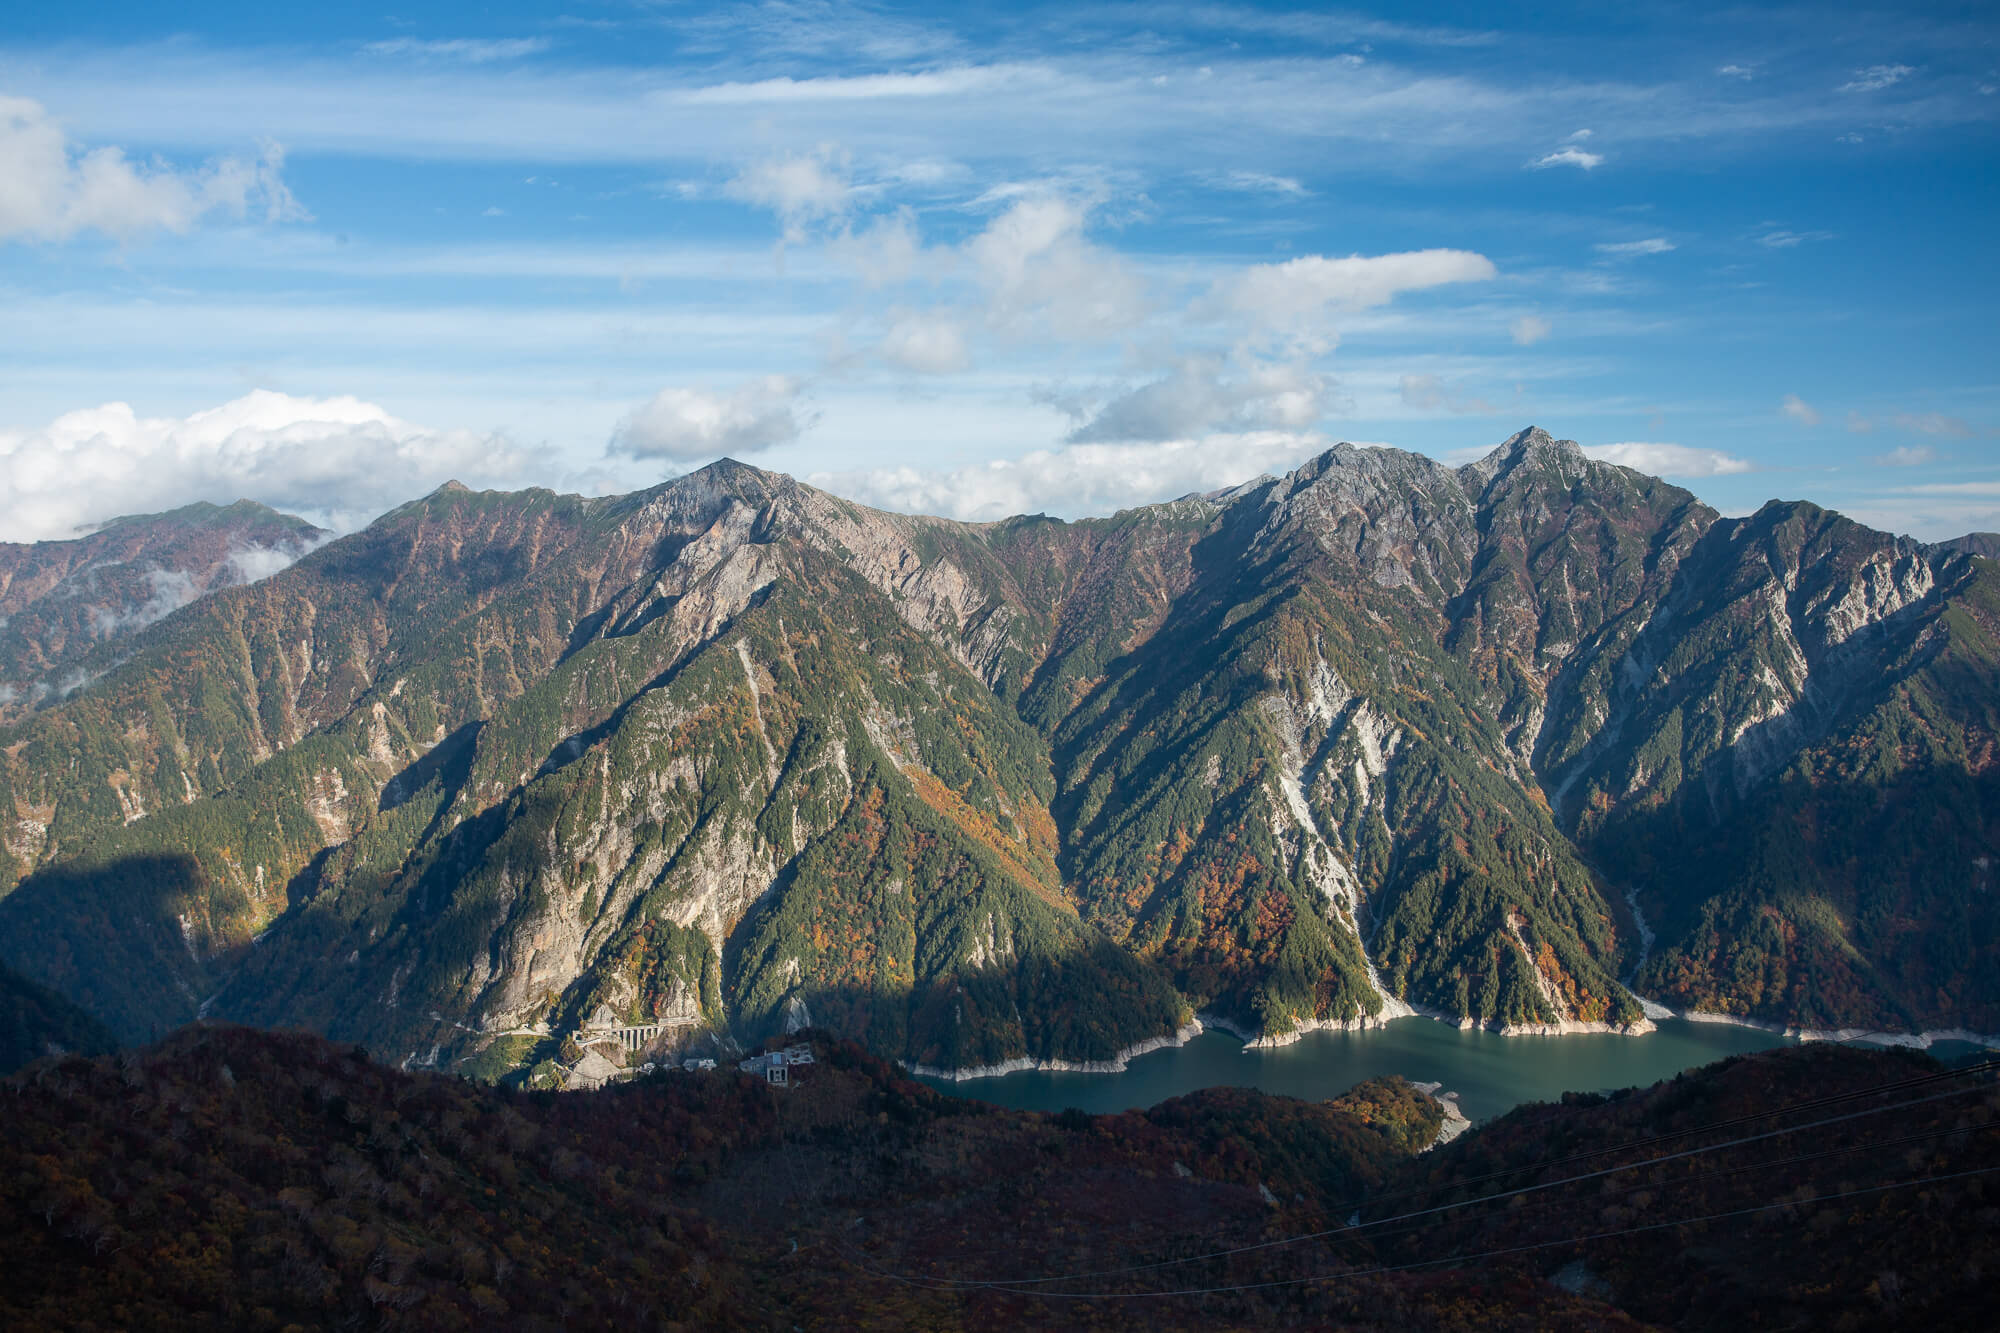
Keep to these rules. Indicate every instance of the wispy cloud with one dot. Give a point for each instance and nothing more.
(1428, 393)
(1745, 72)
(1669, 460)
(1257, 182)
(1934, 423)
(1652, 245)
(693, 425)
(1799, 410)
(1529, 330)
(1568, 157)
(1908, 455)
(949, 83)
(52, 188)
(1078, 480)
(1782, 239)
(1921, 423)
(469, 50)
(1876, 77)
(1206, 396)
(800, 188)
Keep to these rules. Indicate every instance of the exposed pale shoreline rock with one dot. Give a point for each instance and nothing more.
(1563, 1028)
(1455, 1120)
(1918, 1041)
(1023, 1063)
(1253, 1041)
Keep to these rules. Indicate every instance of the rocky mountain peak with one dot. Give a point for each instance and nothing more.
(1532, 447)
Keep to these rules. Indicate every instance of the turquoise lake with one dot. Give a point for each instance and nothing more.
(1490, 1073)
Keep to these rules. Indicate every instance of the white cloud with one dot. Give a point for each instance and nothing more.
(1799, 410)
(928, 342)
(1668, 460)
(1529, 330)
(50, 189)
(1203, 395)
(1257, 182)
(1042, 274)
(1786, 240)
(692, 425)
(1568, 157)
(1296, 297)
(339, 461)
(470, 50)
(958, 82)
(887, 251)
(803, 188)
(1876, 77)
(1652, 245)
(1908, 455)
(1428, 393)
(1738, 71)
(1078, 480)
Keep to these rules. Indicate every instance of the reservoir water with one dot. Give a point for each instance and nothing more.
(1491, 1074)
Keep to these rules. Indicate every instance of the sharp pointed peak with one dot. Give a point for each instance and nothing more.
(1534, 440)
(1527, 445)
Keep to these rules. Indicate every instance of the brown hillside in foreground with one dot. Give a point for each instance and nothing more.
(237, 1179)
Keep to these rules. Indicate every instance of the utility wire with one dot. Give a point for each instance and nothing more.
(1720, 1172)
(1813, 1104)
(1018, 1283)
(1448, 1259)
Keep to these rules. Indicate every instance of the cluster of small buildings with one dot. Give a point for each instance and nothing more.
(778, 1067)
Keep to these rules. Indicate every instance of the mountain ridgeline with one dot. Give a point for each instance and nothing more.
(733, 754)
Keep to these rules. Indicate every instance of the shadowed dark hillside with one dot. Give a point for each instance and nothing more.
(230, 1178)
(35, 1021)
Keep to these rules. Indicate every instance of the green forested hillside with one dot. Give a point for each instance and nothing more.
(731, 754)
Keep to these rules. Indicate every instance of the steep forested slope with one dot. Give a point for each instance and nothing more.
(733, 754)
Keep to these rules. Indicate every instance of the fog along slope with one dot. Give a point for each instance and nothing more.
(732, 753)
(64, 604)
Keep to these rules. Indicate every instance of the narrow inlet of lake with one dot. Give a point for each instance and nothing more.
(1491, 1074)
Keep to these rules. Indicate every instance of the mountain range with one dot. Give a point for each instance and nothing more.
(1514, 743)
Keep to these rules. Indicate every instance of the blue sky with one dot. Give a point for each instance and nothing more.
(1065, 258)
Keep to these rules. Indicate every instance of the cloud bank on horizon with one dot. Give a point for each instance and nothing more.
(1062, 258)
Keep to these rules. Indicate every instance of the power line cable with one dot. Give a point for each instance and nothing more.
(1720, 1172)
(1356, 1228)
(1448, 1259)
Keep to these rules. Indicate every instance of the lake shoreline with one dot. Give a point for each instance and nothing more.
(1564, 1028)
(1916, 1041)
(1024, 1064)
(1256, 1041)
